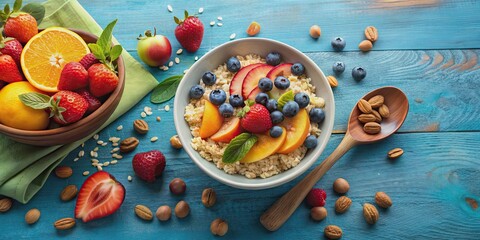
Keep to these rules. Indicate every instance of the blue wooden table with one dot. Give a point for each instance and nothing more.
(428, 48)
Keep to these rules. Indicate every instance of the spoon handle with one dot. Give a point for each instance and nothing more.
(282, 209)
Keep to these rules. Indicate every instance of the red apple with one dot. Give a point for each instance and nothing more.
(154, 50)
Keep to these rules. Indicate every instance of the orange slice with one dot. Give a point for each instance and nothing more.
(45, 55)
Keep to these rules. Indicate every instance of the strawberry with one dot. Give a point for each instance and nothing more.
(18, 24)
(12, 47)
(9, 70)
(316, 197)
(100, 196)
(68, 107)
(149, 165)
(88, 60)
(102, 79)
(93, 102)
(189, 32)
(73, 77)
(256, 119)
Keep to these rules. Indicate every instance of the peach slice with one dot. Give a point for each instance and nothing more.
(254, 93)
(297, 130)
(230, 129)
(264, 147)
(252, 78)
(284, 69)
(211, 121)
(237, 80)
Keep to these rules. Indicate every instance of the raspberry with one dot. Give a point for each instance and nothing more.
(149, 165)
(316, 197)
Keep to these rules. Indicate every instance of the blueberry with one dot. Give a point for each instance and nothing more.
(297, 69)
(317, 115)
(338, 44)
(265, 84)
(236, 100)
(281, 82)
(276, 116)
(196, 92)
(359, 73)
(218, 96)
(310, 142)
(302, 99)
(290, 109)
(226, 110)
(276, 131)
(274, 58)
(338, 67)
(209, 78)
(272, 105)
(233, 64)
(262, 98)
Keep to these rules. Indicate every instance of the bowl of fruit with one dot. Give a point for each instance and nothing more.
(58, 85)
(254, 113)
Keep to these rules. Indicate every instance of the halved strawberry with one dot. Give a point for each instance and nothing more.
(101, 195)
(252, 78)
(237, 80)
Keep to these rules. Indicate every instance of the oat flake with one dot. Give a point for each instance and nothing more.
(219, 24)
(169, 8)
(233, 36)
(170, 63)
(119, 127)
(177, 60)
(200, 10)
(159, 119)
(76, 159)
(179, 51)
(219, 18)
(167, 108)
(143, 114)
(96, 136)
(153, 139)
(196, 58)
(81, 153)
(212, 23)
(129, 178)
(86, 173)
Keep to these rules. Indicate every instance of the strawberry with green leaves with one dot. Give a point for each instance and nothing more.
(9, 70)
(255, 118)
(19, 23)
(189, 32)
(65, 107)
(12, 47)
(103, 77)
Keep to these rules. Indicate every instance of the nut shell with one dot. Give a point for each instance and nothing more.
(163, 213)
(318, 213)
(370, 213)
(376, 101)
(332, 81)
(63, 171)
(209, 197)
(69, 193)
(371, 33)
(140, 126)
(384, 111)
(144, 212)
(315, 31)
(383, 200)
(332, 232)
(364, 106)
(365, 46)
(32, 216)
(219, 227)
(372, 128)
(342, 204)
(395, 153)
(5, 204)
(128, 144)
(341, 186)
(175, 142)
(182, 209)
(64, 223)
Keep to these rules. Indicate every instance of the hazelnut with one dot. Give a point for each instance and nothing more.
(315, 31)
(219, 227)
(318, 213)
(182, 209)
(175, 142)
(341, 186)
(209, 197)
(177, 186)
(163, 213)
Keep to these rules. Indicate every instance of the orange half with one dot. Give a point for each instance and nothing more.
(45, 55)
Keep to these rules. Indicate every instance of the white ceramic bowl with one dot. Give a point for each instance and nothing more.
(242, 47)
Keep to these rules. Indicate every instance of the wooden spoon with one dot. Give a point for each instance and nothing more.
(397, 102)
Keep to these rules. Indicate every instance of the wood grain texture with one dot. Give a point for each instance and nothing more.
(426, 24)
(428, 185)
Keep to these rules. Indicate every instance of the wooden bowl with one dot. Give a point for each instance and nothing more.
(78, 130)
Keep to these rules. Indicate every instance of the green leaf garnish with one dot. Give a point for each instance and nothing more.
(115, 52)
(103, 49)
(286, 97)
(165, 90)
(105, 38)
(97, 51)
(239, 147)
(37, 10)
(35, 100)
(17, 5)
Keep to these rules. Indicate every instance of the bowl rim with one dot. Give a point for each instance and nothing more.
(110, 100)
(275, 182)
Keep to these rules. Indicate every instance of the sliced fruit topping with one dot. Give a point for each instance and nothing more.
(253, 94)
(149, 165)
(237, 80)
(297, 129)
(101, 195)
(229, 130)
(252, 78)
(238, 147)
(283, 69)
(264, 147)
(211, 121)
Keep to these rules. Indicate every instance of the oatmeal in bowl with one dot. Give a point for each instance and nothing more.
(257, 119)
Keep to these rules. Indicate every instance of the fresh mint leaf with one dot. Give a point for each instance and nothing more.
(37, 10)
(105, 39)
(286, 97)
(35, 100)
(165, 90)
(6, 9)
(239, 147)
(97, 51)
(17, 5)
(115, 52)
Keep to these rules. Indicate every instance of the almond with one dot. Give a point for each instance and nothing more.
(370, 213)
(364, 106)
(253, 29)
(143, 212)
(384, 111)
(332, 232)
(63, 171)
(69, 193)
(332, 81)
(128, 144)
(378, 117)
(383, 200)
(315, 31)
(372, 128)
(342, 204)
(64, 223)
(175, 142)
(376, 101)
(32, 216)
(366, 117)
(140, 126)
(5, 204)
(318, 213)
(395, 153)
(371, 33)
(365, 46)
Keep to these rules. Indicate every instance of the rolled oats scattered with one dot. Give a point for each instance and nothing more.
(95, 149)
(94, 160)
(119, 127)
(153, 139)
(177, 60)
(81, 153)
(129, 178)
(170, 63)
(114, 139)
(83, 145)
(86, 173)
(99, 142)
(106, 164)
(200, 10)
(232, 36)
(115, 144)
(104, 144)
(196, 58)
(99, 168)
(167, 108)
(92, 153)
(149, 113)
(76, 159)
(96, 136)
(219, 24)
(212, 23)
(143, 114)
(219, 18)
(169, 8)
(117, 156)
(113, 162)
(179, 51)
(115, 150)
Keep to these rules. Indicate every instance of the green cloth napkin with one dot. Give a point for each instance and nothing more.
(24, 168)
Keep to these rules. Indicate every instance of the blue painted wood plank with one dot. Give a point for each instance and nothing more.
(431, 24)
(428, 186)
